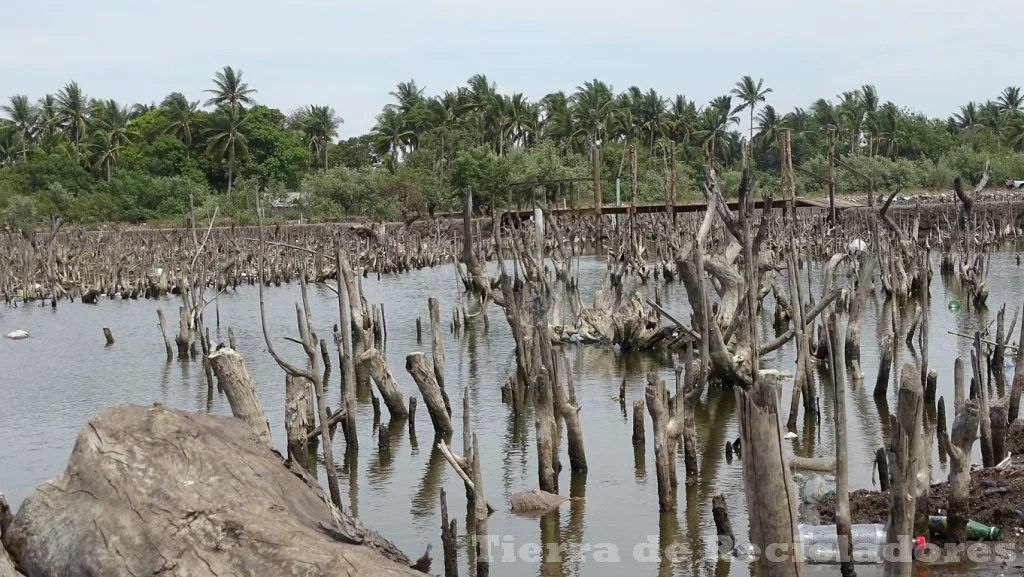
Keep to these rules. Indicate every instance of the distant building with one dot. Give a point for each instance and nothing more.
(289, 200)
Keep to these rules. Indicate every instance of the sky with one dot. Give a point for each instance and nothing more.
(930, 55)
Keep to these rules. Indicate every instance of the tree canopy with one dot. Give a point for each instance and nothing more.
(94, 160)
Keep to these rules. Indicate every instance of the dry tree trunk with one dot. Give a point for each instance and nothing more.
(667, 428)
(360, 322)
(843, 529)
(986, 421)
(885, 367)
(480, 514)
(853, 326)
(692, 392)
(449, 533)
(167, 336)
(378, 369)
(299, 419)
(569, 410)
(1018, 379)
(437, 349)
(639, 436)
(904, 457)
(416, 364)
(342, 341)
(240, 390)
(545, 426)
(965, 432)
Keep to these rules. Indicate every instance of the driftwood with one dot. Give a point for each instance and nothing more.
(150, 510)
(240, 390)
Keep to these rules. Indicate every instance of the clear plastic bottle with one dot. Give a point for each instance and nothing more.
(821, 543)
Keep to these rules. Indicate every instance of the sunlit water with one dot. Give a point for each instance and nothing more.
(53, 382)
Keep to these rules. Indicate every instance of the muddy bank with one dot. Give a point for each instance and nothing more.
(997, 499)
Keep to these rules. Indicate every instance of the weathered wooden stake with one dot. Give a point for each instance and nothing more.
(299, 418)
(959, 447)
(885, 366)
(882, 464)
(437, 349)
(986, 422)
(417, 365)
(166, 334)
(480, 514)
(448, 539)
(904, 457)
(639, 437)
(667, 428)
(240, 390)
(723, 526)
(109, 336)
(412, 416)
(381, 374)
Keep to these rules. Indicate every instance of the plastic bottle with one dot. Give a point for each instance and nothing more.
(821, 543)
(975, 531)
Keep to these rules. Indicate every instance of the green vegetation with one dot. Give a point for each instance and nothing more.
(93, 160)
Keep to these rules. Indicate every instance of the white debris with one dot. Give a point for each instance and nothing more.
(17, 335)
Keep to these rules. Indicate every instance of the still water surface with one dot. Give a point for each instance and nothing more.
(52, 383)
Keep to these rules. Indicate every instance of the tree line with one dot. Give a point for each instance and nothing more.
(94, 160)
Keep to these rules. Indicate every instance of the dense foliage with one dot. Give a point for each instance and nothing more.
(93, 160)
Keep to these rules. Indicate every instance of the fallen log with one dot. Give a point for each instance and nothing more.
(136, 499)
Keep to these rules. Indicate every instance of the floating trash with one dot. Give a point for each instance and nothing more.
(954, 305)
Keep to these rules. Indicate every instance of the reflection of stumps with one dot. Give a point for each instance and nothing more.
(722, 524)
(109, 336)
(638, 422)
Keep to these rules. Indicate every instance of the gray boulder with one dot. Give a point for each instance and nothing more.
(157, 491)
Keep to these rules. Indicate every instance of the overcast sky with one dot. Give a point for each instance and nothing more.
(930, 55)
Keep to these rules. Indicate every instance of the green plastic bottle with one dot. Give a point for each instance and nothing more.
(975, 531)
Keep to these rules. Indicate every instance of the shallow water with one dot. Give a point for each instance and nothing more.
(53, 382)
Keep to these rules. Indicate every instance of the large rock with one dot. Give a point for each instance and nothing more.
(152, 490)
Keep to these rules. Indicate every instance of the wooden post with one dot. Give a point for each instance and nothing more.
(568, 409)
(959, 447)
(882, 463)
(997, 415)
(666, 435)
(843, 529)
(480, 514)
(986, 423)
(412, 416)
(448, 539)
(693, 389)
(416, 364)
(184, 337)
(958, 386)
(639, 437)
(437, 349)
(381, 374)
(930, 385)
(595, 160)
(1013, 409)
(419, 330)
(344, 343)
(240, 390)
(885, 366)
(904, 457)
(298, 418)
(544, 424)
(167, 336)
(109, 336)
(723, 526)
(231, 338)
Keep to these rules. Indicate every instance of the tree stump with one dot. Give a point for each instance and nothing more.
(240, 390)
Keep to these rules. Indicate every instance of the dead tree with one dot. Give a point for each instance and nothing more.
(343, 342)
(310, 345)
(437, 349)
(299, 419)
(240, 390)
(904, 457)
(378, 369)
(417, 366)
(666, 421)
(977, 356)
(843, 529)
(1018, 379)
(959, 447)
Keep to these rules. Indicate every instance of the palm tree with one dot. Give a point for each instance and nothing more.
(72, 110)
(23, 118)
(226, 136)
(183, 115)
(1011, 100)
(714, 121)
(229, 89)
(112, 133)
(768, 125)
(522, 119)
(390, 135)
(681, 119)
(321, 126)
(750, 94)
(594, 109)
(408, 95)
(49, 117)
(967, 119)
